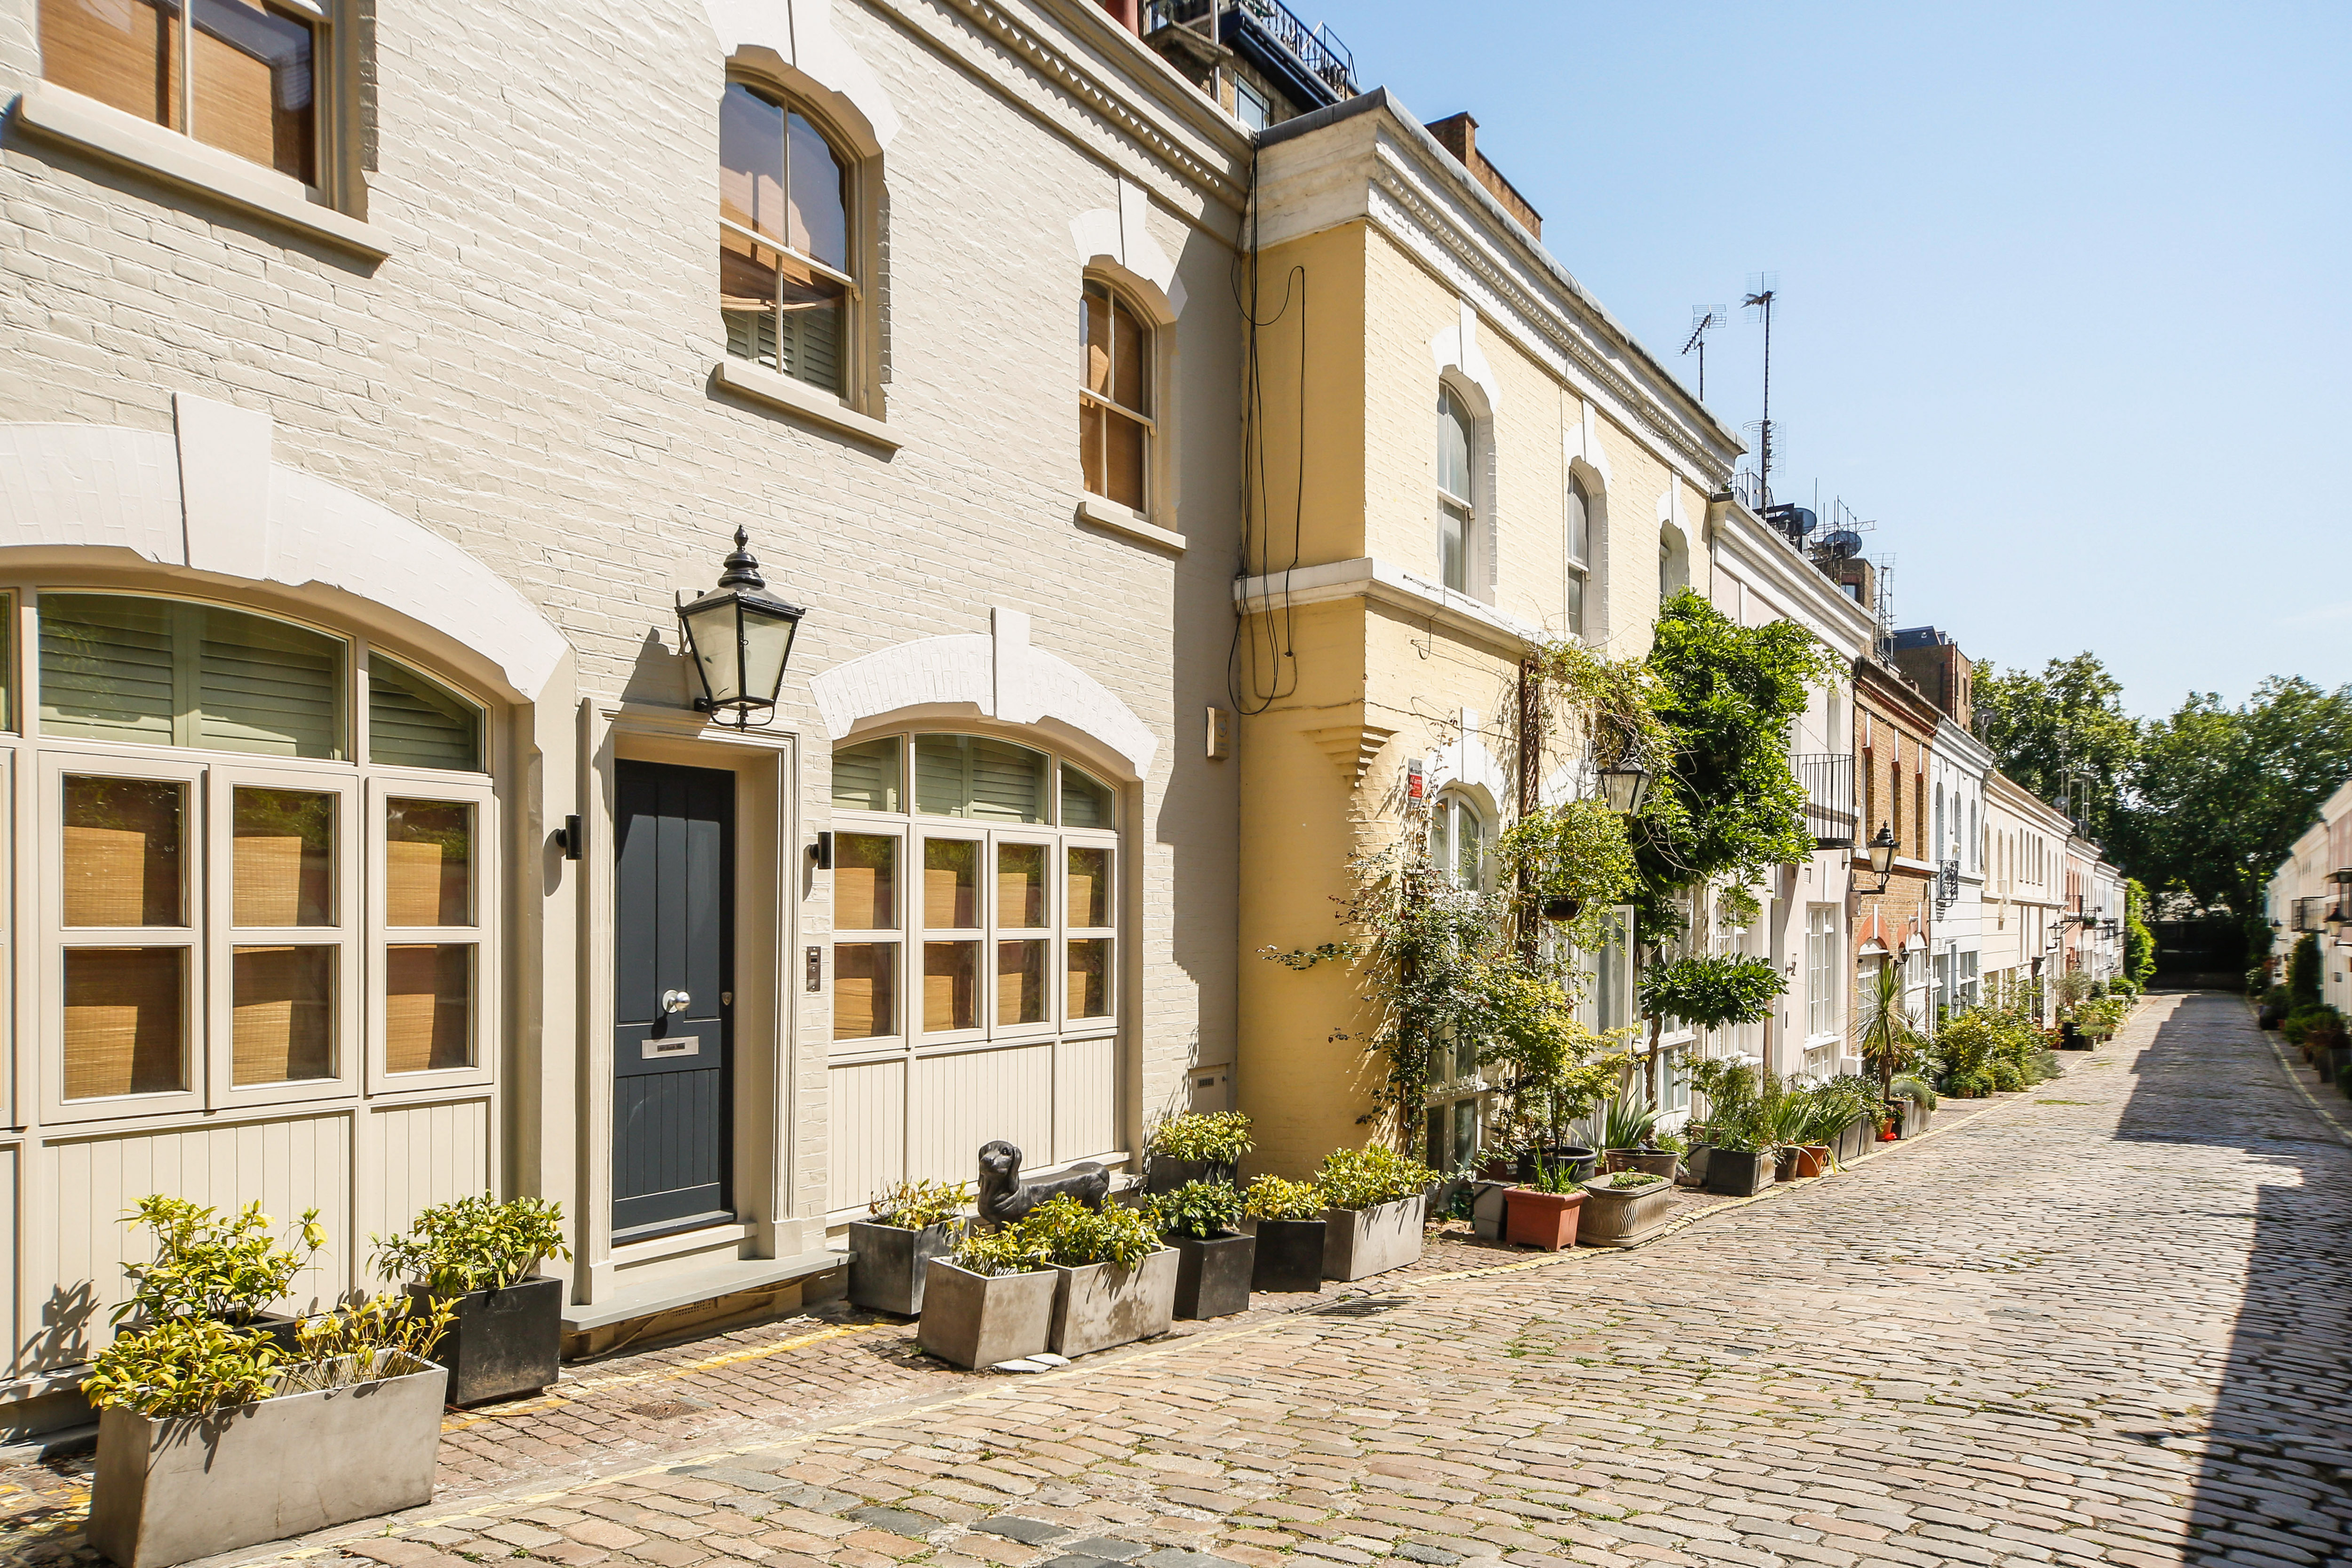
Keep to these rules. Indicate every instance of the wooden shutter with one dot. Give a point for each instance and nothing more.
(413, 723)
(107, 670)
(264, 685)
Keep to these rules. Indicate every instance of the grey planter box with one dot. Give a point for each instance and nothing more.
(888, 1264)
(169, 1489)
(1100, 1305)
(1289, 1255)
(1621, 1218)
(1737, 1174)
(1915, 1119)
(978, 1319)
(1212, 1277)
(1358, 1243)
(1694, 1171)
(501, 1343)
(1487, 1210)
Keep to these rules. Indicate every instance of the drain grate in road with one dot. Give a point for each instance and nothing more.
(1361, 1307)
(663, 1409)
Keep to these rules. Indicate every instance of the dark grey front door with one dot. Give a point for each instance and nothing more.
(674, 964)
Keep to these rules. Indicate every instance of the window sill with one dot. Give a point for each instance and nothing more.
(66, 116)
(760, 384)
(1118, 518)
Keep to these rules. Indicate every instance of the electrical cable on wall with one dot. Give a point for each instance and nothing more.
(1255, 690)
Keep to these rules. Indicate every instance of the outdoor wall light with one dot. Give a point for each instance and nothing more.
(738, 636)
(1625, 785)
(1882, 854)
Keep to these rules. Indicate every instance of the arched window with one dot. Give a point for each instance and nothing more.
(1455, 514)
(1113, 397)
(1457, 840)
(1580, 552)
(267, 869)
(976, 947)
(785, 280)
(1674, 563)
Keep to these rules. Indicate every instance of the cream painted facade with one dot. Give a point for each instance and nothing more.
(432, 403)
(2025, 890)
(2303, 892)
(1374, 696)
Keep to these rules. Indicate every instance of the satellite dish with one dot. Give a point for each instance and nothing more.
(1842, 544)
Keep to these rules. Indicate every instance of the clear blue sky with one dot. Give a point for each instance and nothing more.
(2065, 297)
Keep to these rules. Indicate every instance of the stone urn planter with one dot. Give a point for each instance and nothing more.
(1547, 1220)
(978, 1319)
(1358, 1243)
(1623, 1216)
(1213, 1276)
(888, 1264)
(1289, 1256)
(1099, 1305)
(502, 1343)
(169, 1489)
(1737, 1174)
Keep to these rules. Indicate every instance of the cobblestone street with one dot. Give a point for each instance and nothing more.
(2102, 1322)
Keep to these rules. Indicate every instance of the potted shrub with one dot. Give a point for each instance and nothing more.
(1741, 1153)
(1374, 1218)
(1286, 1220)
(505, 1330)
(1113, 1281)
(992, 1301)
(210, 1439)
(1544, 1215)
(1623, 1209)
(2273, 1009)
(225, 1267)
(890, 1253)
(1213, 1258)
(1627, 1138)
(1915, 1099)
(1197, 1146)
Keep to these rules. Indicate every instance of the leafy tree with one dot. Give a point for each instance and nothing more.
(2064, 727)
(2139, 940)
(2221, 794)
(1725, 805)
(2302, 974)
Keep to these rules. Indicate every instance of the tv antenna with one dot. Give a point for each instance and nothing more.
(1702, 322)
(1763, 288)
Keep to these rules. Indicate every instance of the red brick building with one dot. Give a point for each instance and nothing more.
(1894, 726)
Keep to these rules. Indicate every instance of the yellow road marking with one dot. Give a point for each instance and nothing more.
(661, 1374)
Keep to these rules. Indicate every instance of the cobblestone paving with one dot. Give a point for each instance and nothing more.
(2102, 1324)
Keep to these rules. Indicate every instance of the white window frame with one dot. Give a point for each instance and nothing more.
(1450, 504)
(854, 202)
(1578, 498)
(1447, 813)
(1146, 419)
(1823, 976)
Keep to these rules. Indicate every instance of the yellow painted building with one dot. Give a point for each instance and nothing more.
(1456, 456)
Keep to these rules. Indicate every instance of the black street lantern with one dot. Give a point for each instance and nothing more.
(738, 636)
(1625, 785)
(1882, 854)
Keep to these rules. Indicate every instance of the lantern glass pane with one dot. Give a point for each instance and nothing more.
(767, 643)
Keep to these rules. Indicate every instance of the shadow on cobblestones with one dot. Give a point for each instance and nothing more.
(2274, 1485)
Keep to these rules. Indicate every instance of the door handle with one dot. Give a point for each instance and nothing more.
(675, 1001)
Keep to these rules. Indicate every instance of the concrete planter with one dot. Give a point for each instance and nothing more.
(1548, 1220)
(1099, 1305)
(978, 1319)
(1623, 1216)
(1289, 1256)
(1212, 1277)
(1362, 1242)
(888, 1264)
(1694, 1173)
(501, 1343)
(1735, 1173)
(1487, 1210)
(1165, 1173)
(1915, 1118)
(171, 1490)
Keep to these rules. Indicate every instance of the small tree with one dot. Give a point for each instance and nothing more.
(1889, 1038)
(2302, 974)
(1713, 993)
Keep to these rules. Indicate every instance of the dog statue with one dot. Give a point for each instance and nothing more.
(1005, 1197)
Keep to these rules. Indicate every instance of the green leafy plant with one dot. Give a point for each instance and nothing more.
(189, 1365)
(1712, 993)
(918, 1206)
(1068, 1233)
(1011, 1251)
(1735, 1106)
(473, 1243)
(1624, 1124)
(209, 1264)
(1367, 1177)
(1887, 1034)
(1210, 1137)
(1197, 1209)
(1552, 1068)
(367, 1342)
(1914, 1088)
(1624, 1180)
(1557, 1176)
(1576, 850)
(1273, 1197)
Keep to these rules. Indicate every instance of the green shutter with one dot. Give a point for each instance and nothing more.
(972, 777)
(1086, 801)
(107, 668)
(264, 685)
(416, 722)
(866, 776)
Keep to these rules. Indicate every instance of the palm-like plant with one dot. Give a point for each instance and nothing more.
(1888, 1035)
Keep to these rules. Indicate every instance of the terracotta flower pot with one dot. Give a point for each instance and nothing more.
(1547, 1220)
(1809, 1159)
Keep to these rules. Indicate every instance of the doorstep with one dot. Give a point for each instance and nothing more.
(670, 1292)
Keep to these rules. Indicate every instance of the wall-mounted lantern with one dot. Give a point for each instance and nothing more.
(1625, 785)
(738, 636)
(1882, 854)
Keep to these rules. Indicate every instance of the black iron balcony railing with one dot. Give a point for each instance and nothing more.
(2309, 912)
(1827, 778)
(1311, 62)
